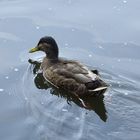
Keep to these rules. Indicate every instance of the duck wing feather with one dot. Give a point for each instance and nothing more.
(72, 75)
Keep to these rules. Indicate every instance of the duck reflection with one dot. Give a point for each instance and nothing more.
(90, 103)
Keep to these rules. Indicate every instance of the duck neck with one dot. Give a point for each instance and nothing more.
(52, 54)
(52, 57)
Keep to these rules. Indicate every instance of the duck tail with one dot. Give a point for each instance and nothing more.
(97, 86)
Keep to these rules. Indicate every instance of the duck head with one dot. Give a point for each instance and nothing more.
(48, 45)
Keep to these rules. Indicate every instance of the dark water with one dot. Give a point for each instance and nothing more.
(104, 36)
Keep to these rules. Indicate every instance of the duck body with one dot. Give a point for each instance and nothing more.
(70, 75)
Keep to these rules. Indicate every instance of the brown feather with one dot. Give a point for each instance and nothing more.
(71, 76)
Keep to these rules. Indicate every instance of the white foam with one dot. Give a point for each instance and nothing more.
(125, 93)
(64, 110)
(6, 77)
(101, 47)
(1, 89)
(16, 69)
(37, 27)
(77, 118)
(124, 1)
(90, 55)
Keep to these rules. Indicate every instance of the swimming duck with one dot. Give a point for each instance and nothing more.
(68, 75)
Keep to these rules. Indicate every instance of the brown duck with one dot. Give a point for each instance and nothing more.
(68, 75)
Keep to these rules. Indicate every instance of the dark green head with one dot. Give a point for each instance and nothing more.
(48, 45)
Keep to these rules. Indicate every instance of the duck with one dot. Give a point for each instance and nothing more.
(68, 75)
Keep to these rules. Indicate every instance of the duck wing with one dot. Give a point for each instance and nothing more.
(78, 71)
(73, 75)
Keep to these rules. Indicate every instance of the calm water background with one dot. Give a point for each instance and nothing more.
(102, 34)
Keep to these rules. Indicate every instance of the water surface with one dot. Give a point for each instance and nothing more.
(102, 34)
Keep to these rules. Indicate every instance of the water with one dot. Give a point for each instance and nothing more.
(102, 34)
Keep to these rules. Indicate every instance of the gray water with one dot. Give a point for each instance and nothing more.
(102, 34)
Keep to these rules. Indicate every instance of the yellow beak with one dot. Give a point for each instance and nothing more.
(34, 50)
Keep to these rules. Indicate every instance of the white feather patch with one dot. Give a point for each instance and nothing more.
(99, 89)
(92, 75)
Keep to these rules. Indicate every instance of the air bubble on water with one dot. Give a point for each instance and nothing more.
(66, 44)
(37, 27)
(42, 103)
(90, 55)
(16, 69)
(64, 110)
(1, 89)
(72, 30)
(118, 82)
(77, 118)
(125, 93)
(26, 98)
(50, 9)
(119, 60)
(124, 1)
(125, 43)
(6, 77)
(101, 47)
